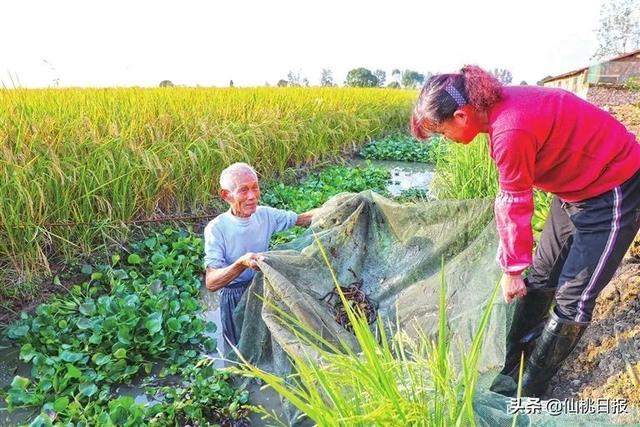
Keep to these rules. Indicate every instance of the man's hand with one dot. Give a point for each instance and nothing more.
(304, 219)
(218, 278)
(512, 287)
(250, 260)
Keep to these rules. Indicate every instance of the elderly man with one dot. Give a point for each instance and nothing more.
(234, 239)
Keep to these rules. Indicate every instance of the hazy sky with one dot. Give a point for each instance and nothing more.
(140, 42)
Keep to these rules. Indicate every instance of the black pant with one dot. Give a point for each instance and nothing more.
(581, 246)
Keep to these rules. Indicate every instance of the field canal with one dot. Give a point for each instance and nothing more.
(394, 178)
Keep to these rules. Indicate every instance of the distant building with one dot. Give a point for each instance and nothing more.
(603, 83)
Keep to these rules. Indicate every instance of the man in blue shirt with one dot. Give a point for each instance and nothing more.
(234, 239)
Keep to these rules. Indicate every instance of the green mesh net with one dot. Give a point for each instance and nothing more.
(395, 251)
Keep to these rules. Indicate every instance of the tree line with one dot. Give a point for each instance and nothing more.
(364, 77)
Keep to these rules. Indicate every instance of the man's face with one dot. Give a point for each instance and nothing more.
(243, 200)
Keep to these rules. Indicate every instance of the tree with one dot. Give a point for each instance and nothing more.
(230, 83)
(396, 73)
(166, 83)
(539, 82)
(523, 83)
(293, 78)
(326, 78)
(619, 30)
(394, 85)
(412, 78)
(381, 76)
(282, 83)
(503, 75)
(305, 82)
(361, 77)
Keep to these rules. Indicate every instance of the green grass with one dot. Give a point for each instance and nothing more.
(398, 380)
(102, 157)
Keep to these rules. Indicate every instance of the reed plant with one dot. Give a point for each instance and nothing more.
(100, 158)
(401, 380)
(468, 172)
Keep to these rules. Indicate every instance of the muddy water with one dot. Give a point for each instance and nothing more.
(266, 398)
(405, 175)
(10, 366)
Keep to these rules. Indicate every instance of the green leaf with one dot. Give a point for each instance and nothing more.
(69, 356)
(132, 369)
(96, 276)
(19, 331)
(20, 383)
(86, 269)
(73, 372)
(210, 327)
(124, 335)
(83, 323)
(120, 353)
(88, 308)
(157, 258)
(61, 404)
(115, 259)
(173, 324)
(154, 323)
(88, 389)
(27, 353)
(209, 345)
(134, 259)
(120, 274)
(101, 359)
(41, 420)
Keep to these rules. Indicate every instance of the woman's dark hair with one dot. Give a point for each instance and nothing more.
(443, 94)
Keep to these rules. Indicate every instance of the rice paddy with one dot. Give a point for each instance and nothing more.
(79, 165)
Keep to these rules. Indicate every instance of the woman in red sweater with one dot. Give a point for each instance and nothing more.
(552, 140)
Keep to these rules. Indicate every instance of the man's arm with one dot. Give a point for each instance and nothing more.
(304, 219)
(218, 278)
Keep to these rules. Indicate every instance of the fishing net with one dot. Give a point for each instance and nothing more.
(389, 256)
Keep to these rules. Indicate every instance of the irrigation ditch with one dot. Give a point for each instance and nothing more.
(121, 374)
(48, 380)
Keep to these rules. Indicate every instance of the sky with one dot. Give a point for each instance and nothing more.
(208, 43)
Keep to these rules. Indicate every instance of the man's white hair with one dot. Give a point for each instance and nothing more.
(228, 176)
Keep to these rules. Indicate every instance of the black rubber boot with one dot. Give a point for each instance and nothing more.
(529, 317)
(558, 339)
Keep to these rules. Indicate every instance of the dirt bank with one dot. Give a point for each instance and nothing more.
(606, 362)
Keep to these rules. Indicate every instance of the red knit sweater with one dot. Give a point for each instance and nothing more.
(552, 140)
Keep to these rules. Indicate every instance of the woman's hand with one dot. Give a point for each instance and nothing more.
(512, 287)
